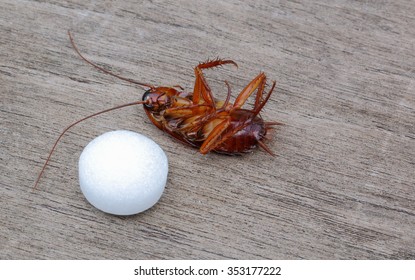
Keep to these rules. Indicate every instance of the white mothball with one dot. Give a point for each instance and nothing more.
(122, 172)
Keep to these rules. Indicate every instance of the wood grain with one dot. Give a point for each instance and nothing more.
(342, 185)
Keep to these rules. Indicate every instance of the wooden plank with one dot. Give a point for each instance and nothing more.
(342, 185)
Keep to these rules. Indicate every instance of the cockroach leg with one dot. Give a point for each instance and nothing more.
(248, 90)
(202, 92)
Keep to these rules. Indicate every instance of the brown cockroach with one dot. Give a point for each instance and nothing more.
(197, 118)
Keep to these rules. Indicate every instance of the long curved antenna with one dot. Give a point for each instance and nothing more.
(75, 123)
(102, 69)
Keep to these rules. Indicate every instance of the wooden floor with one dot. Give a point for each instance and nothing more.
(342, 185)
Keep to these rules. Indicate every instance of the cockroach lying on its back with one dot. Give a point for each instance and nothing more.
(197, 118)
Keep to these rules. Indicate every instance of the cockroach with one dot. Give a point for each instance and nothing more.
(197, 118)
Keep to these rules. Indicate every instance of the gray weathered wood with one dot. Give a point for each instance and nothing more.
(341, 187)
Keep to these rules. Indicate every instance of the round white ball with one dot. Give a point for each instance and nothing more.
(122, 172)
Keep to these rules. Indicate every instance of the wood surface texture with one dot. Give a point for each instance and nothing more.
(342, 185)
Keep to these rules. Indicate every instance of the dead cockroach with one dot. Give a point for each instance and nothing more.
(197, 118)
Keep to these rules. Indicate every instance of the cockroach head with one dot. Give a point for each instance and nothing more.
(155, 99)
